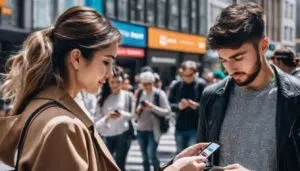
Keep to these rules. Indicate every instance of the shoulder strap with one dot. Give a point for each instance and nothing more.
(157, 97)
(129, 102)
(138, 98)
(178, 90)
(27, 125)
(196, 88)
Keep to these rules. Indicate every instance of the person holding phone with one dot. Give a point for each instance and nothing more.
(113, 117)
(184, 97)
(254, 112)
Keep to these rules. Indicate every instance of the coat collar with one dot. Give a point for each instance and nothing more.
(61, 96)
(285, 82)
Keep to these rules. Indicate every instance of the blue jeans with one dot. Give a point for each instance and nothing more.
(185, 139)
(119, 147)
(148, 147)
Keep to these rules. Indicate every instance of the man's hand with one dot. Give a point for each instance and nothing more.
(192, 104)
(183, 104)
(193, 150)
(235, 167)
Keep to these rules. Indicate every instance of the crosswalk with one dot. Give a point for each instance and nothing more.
(166, 151)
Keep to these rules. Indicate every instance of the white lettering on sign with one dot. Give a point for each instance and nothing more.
(164, 40)
(136, 35)
(186, 42)
(125, 33)
(132, 34)
(163, 60)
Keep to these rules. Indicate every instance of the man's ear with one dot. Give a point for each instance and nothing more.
(74, 58)
(264, 45)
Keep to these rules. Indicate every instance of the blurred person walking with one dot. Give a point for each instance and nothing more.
(285, 59)
(184, 97)
(152, 104)
(113, 117)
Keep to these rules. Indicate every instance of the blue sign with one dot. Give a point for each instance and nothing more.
(132, 35)
(96, 4)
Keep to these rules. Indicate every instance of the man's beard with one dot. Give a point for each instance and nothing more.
(251, 77)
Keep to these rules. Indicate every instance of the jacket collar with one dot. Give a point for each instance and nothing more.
(284, 82)
(61, 96)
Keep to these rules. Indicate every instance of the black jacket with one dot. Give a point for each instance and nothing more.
(188, 118)
(213, 106)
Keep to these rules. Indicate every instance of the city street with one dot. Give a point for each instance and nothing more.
(166, 151)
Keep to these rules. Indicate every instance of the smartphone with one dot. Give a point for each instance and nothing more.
(209, 150)
(143, 103)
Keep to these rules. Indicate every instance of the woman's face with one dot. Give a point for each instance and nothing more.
(91, 75)
(115, 84)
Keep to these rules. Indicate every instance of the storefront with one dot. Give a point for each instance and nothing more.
(132, 50)
(11, 33)
(164, 63)
(178, 45)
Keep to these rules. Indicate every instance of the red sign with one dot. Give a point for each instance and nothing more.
(131, 52)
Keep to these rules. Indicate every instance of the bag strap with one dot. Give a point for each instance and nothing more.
(156, 102)
(138, 98)
(129, 102)
(25, 129)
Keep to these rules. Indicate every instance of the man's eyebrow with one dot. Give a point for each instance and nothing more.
(235, 55)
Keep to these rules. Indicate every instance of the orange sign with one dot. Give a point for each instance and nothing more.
(175, 41)
(2, 2)
(5, 11)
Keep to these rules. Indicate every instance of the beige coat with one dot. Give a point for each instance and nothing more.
(57, 139)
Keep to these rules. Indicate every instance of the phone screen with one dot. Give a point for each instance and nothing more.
(209, 150)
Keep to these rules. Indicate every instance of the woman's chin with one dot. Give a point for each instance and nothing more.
(94, 91)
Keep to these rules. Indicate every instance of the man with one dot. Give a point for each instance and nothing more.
(184, 97)
(285, 59)
(151, 103)
(254, 113)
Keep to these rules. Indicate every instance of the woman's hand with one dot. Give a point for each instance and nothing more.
(112, 115)
(194, 163)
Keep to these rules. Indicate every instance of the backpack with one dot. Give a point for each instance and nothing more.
(163, 121)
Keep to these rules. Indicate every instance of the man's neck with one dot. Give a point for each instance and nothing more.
(263, 79)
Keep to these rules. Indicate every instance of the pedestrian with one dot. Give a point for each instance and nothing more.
(152, 103)
(113, 117)
(157, 82)
(54, 65)
(254, 112)
(184, 98)
(285, 59)
(127, 83)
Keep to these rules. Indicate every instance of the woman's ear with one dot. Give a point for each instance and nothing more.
(74, 58)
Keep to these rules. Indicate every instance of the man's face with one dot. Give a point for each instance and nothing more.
(188, 75)
(242, 64)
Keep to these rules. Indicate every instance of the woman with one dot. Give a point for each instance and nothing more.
(54, 65)
(113, 117)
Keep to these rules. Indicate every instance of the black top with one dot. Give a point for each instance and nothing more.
(186, 119)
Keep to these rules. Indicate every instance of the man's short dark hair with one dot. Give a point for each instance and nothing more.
(237, 24)
(190, 65)
(286, 55)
